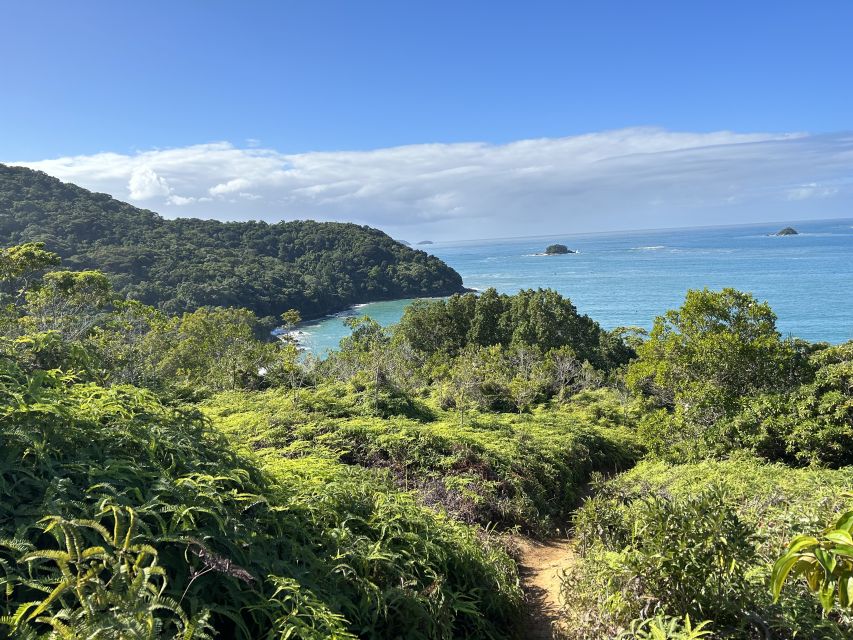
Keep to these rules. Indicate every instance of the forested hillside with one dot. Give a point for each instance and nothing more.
(183, 264)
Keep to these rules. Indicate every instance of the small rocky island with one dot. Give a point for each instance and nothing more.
(557, 250)
(426, 242)
(787, 231)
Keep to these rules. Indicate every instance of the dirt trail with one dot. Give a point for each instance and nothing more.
(540, 565)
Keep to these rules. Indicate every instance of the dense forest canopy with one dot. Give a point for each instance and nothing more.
(180, 265)
(542, 318)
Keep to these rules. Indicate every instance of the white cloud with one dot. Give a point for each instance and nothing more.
(145, 184)
(615, 179)
(237, 184)
(180, 201)
(812, 190)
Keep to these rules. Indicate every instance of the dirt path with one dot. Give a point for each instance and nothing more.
(540, 565)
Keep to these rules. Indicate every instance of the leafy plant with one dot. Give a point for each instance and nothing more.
(626, 574)
(825, 562)
(303, 548)
(663, 627)
(691, 554)
(112, 588)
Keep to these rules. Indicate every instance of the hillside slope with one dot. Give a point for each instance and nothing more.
(182, 264)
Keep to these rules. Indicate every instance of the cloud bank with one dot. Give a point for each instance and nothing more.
(626, 179)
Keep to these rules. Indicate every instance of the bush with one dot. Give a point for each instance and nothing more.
(813, 425)
(699, 364)
(686, 556)
(505, 470)
(656, 540)
(304, 548)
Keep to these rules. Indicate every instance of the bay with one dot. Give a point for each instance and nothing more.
(629, 278)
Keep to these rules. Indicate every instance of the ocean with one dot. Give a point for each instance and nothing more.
(629, 278)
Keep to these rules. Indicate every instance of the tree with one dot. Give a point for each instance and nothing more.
(568, 374)
(725, 339)
(132, 342)
(366, 351)
(20, 264)
(68, 302)
(467, 382)
(486, 327)
(809, 425)
(426, 326)
(529, 376)
(548, 320)
(216, 348)
(541, 318)
(700, 362)
(289, 319)
(290, 370)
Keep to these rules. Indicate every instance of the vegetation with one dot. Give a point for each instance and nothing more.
(126, 511)
(540, 320)
(169, 475)
(497, 470)
(700, 539)
(108, 494)
(557, 249)
(715, 376)
(826, 563)
(181, 265)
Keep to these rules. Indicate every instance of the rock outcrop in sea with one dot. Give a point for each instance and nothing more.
(787, 231)
(557, 250)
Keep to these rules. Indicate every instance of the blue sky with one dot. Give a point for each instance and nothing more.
(286, 80)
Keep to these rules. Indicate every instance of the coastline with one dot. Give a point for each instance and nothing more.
(301, 333)
(628, 279)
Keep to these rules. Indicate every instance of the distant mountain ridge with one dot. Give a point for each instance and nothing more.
(182, 264)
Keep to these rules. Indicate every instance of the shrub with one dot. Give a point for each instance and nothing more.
(666, 628)
(679, 555)
(655, 540)
(305, 548)
(813, 425)
(505, 470)
(700, 362)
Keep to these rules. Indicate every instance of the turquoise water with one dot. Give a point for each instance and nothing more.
(628, 278)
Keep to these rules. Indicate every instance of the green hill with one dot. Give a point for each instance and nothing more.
(186, 263)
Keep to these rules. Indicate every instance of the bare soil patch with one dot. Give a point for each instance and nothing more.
(540, 566)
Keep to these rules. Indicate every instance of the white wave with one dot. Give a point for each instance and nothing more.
(656, 247)
(548, 255)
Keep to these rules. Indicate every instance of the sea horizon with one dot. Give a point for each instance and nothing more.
(621, 285)
(781, 223)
